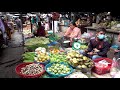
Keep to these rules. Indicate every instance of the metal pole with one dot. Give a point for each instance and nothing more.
(31, 24)
(53, 28)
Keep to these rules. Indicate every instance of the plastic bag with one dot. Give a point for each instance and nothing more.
(115, 67)
(86, 35)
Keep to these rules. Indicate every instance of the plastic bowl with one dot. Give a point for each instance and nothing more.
(18, 70)
(44, 63)
(52, 43)
(58, 75)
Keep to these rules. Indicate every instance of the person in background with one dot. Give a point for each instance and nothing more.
(78, 22)
(19, 24)
(89, 20)
(98, 46)
(7, 29)
(11, 26)
(47, 27)
(98, 18)
(41, 30)
(72, 32)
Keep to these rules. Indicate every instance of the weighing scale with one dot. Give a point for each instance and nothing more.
(76, 46)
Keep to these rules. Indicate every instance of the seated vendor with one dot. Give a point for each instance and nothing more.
(73, 32)
(98, 46)
(117, 51)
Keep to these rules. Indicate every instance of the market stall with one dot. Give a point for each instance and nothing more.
(53, 57)
(50, 60)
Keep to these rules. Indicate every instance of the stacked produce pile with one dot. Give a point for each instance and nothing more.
(41, 55)
(31, 69)
(116, 26)
(111, 25)
(79, 61)
(57, 69)
(58, 57)
(33, 43)
(28, 57)
(54, 51)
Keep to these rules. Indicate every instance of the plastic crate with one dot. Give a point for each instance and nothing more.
(104, 70)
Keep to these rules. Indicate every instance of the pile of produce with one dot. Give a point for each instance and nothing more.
(58, 58)
(53, 37)
(33, 43)
(78, 60)
(57, 68)
(28, 57)
(54, 51)
(83, 47)
(31, 69)
(37, 40)
(108, 24)
(41, 55)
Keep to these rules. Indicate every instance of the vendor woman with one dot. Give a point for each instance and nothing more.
(98, 46)
(72, 32)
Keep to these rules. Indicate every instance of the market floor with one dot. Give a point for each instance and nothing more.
(11, 56)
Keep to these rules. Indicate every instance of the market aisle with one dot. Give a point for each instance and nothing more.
(11, 56)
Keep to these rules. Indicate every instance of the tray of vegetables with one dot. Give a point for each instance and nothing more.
(33, 43)
(58, 69)
(41, 56)
(78, 61)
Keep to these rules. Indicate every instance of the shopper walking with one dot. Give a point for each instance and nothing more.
(19, 24)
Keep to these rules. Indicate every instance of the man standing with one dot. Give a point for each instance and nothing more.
(19, 24)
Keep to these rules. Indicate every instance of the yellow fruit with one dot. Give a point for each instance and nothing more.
(85, 58)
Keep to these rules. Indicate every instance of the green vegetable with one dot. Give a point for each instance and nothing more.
(59, 69)
(58, 58)
(33, 43)
(28, 57)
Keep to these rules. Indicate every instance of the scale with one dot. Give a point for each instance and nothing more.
(76, 46)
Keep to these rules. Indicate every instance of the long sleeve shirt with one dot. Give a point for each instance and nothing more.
(75, 33)
(102, 46)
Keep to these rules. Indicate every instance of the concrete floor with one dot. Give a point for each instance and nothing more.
(11, 56)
